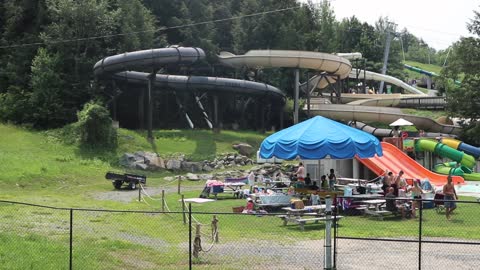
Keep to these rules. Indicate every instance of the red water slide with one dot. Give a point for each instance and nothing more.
(394, 160)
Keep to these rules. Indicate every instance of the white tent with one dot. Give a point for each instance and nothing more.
(401, 122)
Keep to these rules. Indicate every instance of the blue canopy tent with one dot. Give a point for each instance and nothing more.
(318, 138)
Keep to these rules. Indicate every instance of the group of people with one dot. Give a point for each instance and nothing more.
(395, 186)
(324, 183)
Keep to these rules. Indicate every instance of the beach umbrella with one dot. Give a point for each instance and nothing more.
(319, 137)
(401, 122)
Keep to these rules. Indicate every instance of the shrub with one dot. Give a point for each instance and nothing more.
(95, 126)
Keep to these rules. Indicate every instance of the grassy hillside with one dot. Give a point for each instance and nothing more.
(427, 67)
(39, 167)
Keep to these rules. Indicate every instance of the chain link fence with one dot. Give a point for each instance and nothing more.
(39, 237)
(427, 241)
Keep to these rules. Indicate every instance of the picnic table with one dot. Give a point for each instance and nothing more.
(308, 213)
(376, 205)
(215, 187)
(235, 188)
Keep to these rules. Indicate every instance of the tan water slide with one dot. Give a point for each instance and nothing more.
(379, 114)
(323, 62)
(341, 67)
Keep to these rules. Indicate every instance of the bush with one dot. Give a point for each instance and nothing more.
(95, 126)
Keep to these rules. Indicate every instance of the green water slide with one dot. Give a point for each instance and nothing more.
(445, 151)
(453, 169)
(466, 161)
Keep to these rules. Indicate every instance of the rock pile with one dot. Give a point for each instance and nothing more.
(151, 161)
(267, 170)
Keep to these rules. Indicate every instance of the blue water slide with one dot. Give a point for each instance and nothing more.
(470, 149)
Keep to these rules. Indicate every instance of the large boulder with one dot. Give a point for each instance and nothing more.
(127, 160)
(174, 164)
(244, 149)
(154, 161)
(192, 166)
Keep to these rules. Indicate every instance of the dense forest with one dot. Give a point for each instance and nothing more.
(48, 49)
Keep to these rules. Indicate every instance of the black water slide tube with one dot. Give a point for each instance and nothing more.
(118, 67)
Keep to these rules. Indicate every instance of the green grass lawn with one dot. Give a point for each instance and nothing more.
(40, 168)
(427, 67)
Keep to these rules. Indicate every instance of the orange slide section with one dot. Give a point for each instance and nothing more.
(394, 160)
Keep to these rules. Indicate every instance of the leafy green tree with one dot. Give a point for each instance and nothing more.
(47, 97)
(95, 126)
(78, 34)
(464, 100)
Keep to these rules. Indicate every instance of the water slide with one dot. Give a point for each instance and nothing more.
(394, 160)
(201, 83)
(451, 168)
(320, 83)
(369, 75)
(445, 151)
(459, 145)
(379, 114)
(118, 67)
(426, 72)
(334, 65)
(466, 161)
(388, 132)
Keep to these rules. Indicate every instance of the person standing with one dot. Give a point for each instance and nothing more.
(387, 182)
(416, 195)
(251, 178)
(397, 182)
(308, 180)
(300, 172)
(324, 182)
(332, 179)
(450, 196)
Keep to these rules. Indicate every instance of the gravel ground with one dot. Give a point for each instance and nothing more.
(351, 254)
(126, 195)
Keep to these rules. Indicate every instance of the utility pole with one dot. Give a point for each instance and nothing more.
(296, 96)
(388, 41)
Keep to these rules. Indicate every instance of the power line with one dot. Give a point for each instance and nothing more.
(147, 31)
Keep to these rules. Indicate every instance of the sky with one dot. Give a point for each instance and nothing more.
(437, 22)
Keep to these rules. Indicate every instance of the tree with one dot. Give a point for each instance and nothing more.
(77, 35)
(464, 100)
(95, 126)
(47, 98)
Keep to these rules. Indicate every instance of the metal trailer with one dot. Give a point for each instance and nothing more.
(132, 180)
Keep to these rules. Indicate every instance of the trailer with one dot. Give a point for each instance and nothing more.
(132, 180)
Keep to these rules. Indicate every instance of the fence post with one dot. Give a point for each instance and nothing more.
(163, 200)
(183, 210)
(179, 181)
(139, 192)
(328, 233)
(71, 239)
(420, 235)
(190, 236)
(215, 228)
(335, 220)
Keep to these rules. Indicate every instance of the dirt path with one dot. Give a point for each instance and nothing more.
(127, 195)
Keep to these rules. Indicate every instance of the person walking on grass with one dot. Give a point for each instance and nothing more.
(450, 196)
